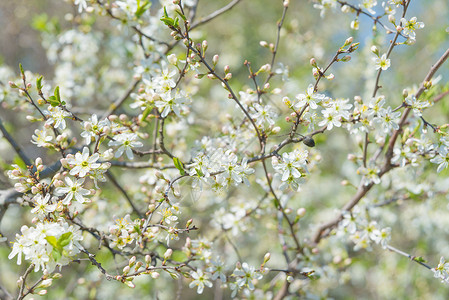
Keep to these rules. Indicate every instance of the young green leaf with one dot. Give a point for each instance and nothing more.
(178, 165)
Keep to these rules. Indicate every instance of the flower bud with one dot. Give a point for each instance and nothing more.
(154, 275)
(391, 19)
(168, 253)
(266, 257)
(126, 270)
(301, 212)
(42, 292)
(132, 261)
(148, 259)
(404, 93)
(348, 41)
(263, 44)
(172, 59)
(375, 50)
(215, 59)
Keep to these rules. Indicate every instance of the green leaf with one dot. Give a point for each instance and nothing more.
(176, 22)
(57, 96)
(52, 241)
(178, 165)
(65, 239)
(179, 256)
(18, 161)
(181, 15)
(141, 9)
(146, 112)
(39, 83)
(21, 69)
(53, 101)
(167, 21)
(56, 254)
(419, 259)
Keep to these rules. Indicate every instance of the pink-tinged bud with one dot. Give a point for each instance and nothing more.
(287, 119)
(28, 85)
(126, 270)
(168, 253)
(344, 182)
(349, 41)
(16, 172)
(313, 62)
(58, 183)
(211, 76)
(188, 243)
(346, 58)
(12, 85)
(399, 28)
(315, 250)
(204, 45)
(263, 44)
(238, 265)
(40, 168)
(123, 117)
(35, 220)
(113, 118)
(154, 275)
(42, 292)
(64, 162)
(301, 212)
(288, 211)
(34, 190)
(286, 3)
(228, 76)
(227, 68)
(215, 59)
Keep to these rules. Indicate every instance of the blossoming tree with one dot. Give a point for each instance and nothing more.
(159, 158)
